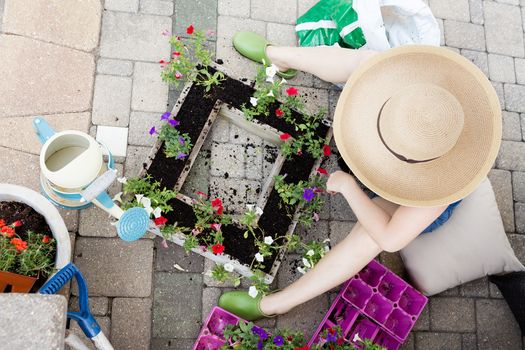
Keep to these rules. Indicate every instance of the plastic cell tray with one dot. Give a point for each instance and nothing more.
(375, 304)
(211, 336)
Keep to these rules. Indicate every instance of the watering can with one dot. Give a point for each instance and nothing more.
(73, 175)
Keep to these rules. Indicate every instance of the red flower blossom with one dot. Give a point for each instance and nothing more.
(217, 249)
(291, 91)
(279, 113)
(217, 204)
(326, 150)
(285, 136)
(190, 29)
(322, 171)
(340, 341)
(7, 231)
(2, 223)
(161, 220)
(176, 53)
(17, 223)
(46, 239)
(162, 62)
(19, 244)
(299, 152)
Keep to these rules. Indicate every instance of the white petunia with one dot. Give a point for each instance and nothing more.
(357, 338)
(253, 101)
(258, 211)
(268, 240)
(301, 270)
(228, 267)
(149, 210)
(259, 257)
(283, 81)
(146, 202)
(157, 212)
(253, 292)
(310, 252)
(122, 179)
(326, 248)
(118, 197)
(270, 94)
(139, 197)
(271, 71)
(306, 263)
(250, 206)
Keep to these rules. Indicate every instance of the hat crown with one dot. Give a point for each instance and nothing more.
(421, 122)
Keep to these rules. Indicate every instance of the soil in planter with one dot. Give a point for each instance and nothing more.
(31, 221)
(193, 115)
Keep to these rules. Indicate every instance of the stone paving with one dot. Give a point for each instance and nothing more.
(91, 65)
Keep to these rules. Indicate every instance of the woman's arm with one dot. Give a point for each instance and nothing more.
(390, 232)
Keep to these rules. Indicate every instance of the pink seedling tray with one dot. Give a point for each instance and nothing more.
(375, 304)
(211, 336)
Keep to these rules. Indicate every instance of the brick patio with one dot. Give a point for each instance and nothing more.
(91, 65)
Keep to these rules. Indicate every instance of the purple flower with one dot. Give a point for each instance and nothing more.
(173, 122)
(181, 156)
(308, 194)
(165, 116)
(260, 344)
(260, 332)
(278, 340)
(331, 337)
(153, 131)
(182, 140)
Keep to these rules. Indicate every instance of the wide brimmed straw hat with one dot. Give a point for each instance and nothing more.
(418, 125)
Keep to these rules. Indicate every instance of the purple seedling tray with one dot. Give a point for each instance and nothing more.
(376, 304)
(211, 336)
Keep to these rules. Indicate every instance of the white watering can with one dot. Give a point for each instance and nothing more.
(74, 175)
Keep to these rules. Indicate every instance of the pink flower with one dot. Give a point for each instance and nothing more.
(178, 75)
(216, 227)
(166, 32)
(315, 217)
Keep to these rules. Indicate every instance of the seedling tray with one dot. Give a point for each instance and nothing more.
(211, 336)
(375, 304)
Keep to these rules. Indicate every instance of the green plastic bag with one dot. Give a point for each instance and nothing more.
(329, 22)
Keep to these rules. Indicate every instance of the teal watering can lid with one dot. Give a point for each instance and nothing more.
(71, 159)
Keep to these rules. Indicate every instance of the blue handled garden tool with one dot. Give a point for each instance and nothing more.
(84, 318)
(74, 175)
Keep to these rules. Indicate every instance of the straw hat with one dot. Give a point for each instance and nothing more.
(418, 125)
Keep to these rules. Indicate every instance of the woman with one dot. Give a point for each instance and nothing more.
(418, 125)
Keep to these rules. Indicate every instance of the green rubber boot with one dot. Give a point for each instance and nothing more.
(253, 46)
(242, 305)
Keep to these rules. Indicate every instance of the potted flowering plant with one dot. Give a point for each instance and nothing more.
(332, 339)
(247, 336)
(34, 240)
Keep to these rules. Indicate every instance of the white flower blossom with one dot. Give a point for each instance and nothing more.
(157, 212)
(228, 267)
(146, 202)
(301, 270)
(270, 94)
(139, 197)
(326, 248)
(253, 101)
(271, 71)
(122, 179)
(357, 338)
(306, 263)
(326, 240)
(310, 252)
(258, 211)
(283, 81)
(253, 292)
(268, 240)
(250, 206)
(118, 197)
(259, 257)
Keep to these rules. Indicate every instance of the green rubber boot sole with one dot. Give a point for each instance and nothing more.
(242, 305)
(253, 46)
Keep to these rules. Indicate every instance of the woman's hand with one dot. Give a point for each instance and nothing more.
(338, 181)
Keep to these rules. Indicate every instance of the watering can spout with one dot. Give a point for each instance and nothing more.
(42, 129)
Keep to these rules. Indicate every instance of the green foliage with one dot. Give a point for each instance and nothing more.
(148, 188)
(176, 144)
(37, 258)
(293, 194)
(332, 339)
(247, 336)
(190, 62)
(266, 93)
(220, 274)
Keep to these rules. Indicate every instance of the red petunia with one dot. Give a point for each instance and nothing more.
(162, 62)
(161, 220)
(322, 171)
(285, 136)
(46, 239)
(17, 223)
(190, 29)
(217, 204)
(279, 113)
(7, 231)
(291, 91)
(326, 150)
(217, 249)
(176, 53)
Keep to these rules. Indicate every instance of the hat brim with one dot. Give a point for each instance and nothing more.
(438, 182)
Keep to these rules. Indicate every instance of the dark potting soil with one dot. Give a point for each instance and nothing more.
(193, 115)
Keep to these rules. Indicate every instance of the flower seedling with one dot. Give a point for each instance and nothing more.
(190, 61)
(332, 339)
(176, 144)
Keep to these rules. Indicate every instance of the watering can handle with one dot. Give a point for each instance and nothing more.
(42, 129)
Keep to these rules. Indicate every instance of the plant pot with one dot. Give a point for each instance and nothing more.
(18, 283)
(15, 193)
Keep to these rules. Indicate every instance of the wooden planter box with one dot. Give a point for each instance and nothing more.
(197, 112)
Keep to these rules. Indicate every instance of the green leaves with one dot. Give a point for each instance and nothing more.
(176, 144)
(146, 186)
